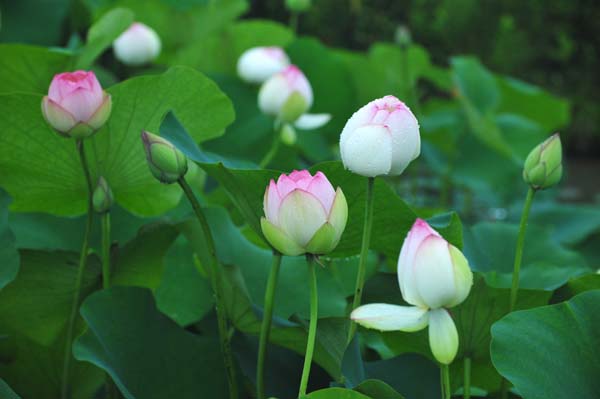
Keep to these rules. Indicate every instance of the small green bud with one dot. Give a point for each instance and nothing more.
(402, 36)
(543, 166)
(288, 135)
(102, 198)
(293, 108)
(298, 5)
(165, 161)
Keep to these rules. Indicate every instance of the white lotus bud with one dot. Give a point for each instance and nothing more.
(138, 45)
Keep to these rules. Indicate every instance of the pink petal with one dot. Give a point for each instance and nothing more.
(417, 234)
(298, 175)
(82, 103)
(272, 202)
(321, 188)
(285, 185)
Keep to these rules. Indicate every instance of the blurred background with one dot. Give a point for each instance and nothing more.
(454, 50)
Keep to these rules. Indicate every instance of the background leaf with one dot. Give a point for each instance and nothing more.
(557, 347)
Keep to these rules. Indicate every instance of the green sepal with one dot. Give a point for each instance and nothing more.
(279, 240)
(323, 241)
(102, 113)
(338, 215)
(293, 108)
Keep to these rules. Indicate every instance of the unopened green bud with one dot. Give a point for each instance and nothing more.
(543, 166)
(288, 135)
(298, 5)
(165, 161)
(102, 198)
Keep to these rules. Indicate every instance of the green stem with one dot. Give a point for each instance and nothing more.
(312, 327)
(467, 379)
(215, 279)
(519, 252)
(447, 394)
(265, 328)
(272, 151)
(105, 221)
(364, 252)
(65, 388)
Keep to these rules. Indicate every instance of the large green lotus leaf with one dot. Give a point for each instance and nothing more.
(34, 370)
(34, 309)
(551, 351)
(546, 265)
(533, 103)
(473, 319)
(567, 224)
(9, 255)
(147, 354)
(392, 217)
(576, 286)
(102, 34)
(41, 170)
(335, 393)
(140, 262)
(38, 302)
(377, 389)
(184, 294)
(30, 68)
(207, 52)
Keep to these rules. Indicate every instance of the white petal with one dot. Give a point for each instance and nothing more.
(273, 94)
(368, 151)
(312, 121)
(384, 317)
(443, 337)
(301, 214)
(406, 141)
(434, 273)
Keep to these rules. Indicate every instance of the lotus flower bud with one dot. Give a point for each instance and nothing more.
(303, 214)
(431, 272)
(298, 5)
(433, 275)
(258, 64)
(543, 166)
(381, 138)
(102, 198)
(165, 161)
(402, 36)
(138, 45)
(286, 95)
(76, 106)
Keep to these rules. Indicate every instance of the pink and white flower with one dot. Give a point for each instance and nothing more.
(286, 95)
(76, 106)
(138, 45)
(258, 64)
(303, 214)
(381, 138)
(433, 275)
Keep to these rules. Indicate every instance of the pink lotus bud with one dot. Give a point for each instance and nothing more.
(76, 106)
(433, 275)
(381, 138)
(303, 214)
(138, 45)
(258, 64)
(286, 95)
